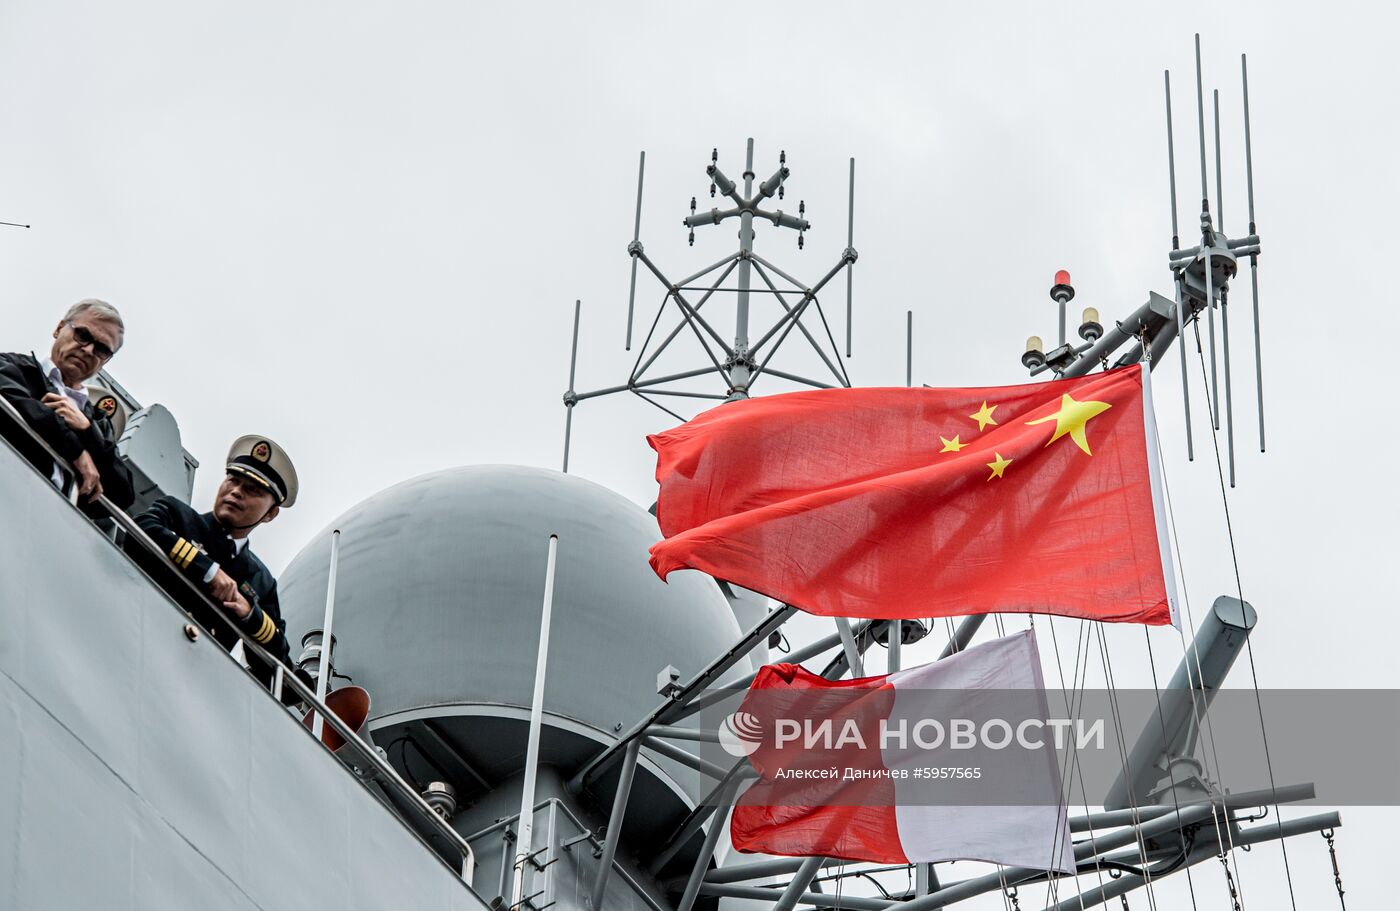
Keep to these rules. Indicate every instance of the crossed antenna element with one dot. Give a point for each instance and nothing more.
(743, 362)
(1202, 275)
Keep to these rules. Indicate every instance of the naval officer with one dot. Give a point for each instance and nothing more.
(49, 394)
(212, 550)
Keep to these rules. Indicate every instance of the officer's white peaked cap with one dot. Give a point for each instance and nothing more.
(264, 461)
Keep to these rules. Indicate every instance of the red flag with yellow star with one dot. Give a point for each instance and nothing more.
(888, 503)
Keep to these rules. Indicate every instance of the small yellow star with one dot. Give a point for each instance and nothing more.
(1071, 418)
(998, 466)
(983, 416)
(952, 445)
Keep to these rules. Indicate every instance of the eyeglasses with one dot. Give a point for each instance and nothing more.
(86, 338)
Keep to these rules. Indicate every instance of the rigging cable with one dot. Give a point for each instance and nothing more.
(1005, 896)
(1123, 756)
(1161, 719)
(1200, 713)
(1052, 893)
(1074, 756)
(1249, 649)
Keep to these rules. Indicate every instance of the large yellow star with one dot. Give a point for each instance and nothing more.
(998, 466)
(1071, 418)
(983, 416)
(952, 445)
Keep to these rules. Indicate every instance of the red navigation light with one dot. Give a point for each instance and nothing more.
(1062, 277)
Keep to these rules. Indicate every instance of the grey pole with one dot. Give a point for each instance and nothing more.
(635, 245)
(966, 629)
(1229, 403)
(619, 811)
(570, 400)
(1210, 325)
(684, 757)
(909, 346)
(850, 244)
(696, 735)
(1185, 699)
(1219, 192)
(1176, 245)
(1185, 377)
(708, 807)
(925, 879)
(1171, 160)
(1201, 124)
(848, 644)
(1254, 258)
(1205, 237)
(532, 749)
(1259, 834)
(893, 644)
(800, 881)
(818, 899)
(323, 662)
(707, 850)
(1083, 850)
(741, 317)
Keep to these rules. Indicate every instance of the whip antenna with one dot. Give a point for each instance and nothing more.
(1253, 257)
(633, 249)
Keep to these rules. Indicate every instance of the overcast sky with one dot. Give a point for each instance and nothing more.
(359, 229)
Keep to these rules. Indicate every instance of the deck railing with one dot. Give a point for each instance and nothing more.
(365, 762)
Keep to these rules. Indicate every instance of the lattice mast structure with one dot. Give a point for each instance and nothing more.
(738, 363)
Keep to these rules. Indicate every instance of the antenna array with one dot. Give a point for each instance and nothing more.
(742, 362)
(1201, 274)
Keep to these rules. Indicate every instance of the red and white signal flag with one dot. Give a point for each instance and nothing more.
(953, 760)
(887, 503)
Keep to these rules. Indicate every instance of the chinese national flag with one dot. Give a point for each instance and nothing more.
(888, 503)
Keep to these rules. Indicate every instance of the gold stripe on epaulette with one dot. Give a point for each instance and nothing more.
(267, 631)
(178, 550)
(189, 557)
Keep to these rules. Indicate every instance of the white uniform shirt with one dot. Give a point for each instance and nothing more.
(78, 396)
(238, 545)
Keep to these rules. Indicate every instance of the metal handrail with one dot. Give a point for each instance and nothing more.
(382, 769)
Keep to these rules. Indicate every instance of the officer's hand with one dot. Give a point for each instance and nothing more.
(239, 607)
(71, 414)
(223, 587)
(89, 482)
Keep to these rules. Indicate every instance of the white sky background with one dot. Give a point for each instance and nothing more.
(360, 229)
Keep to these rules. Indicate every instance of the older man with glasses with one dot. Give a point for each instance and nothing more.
(50, 395)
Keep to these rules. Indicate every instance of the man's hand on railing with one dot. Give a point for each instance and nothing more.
(239, 607)
(89, 482)
(222, 587)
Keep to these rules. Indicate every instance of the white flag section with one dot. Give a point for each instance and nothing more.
(952, 760)
(1034, 832)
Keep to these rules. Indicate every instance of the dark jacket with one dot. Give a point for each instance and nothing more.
(194, 541)
(23, 385)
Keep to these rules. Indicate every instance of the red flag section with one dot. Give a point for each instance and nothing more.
(855, 786)
(887, 503)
